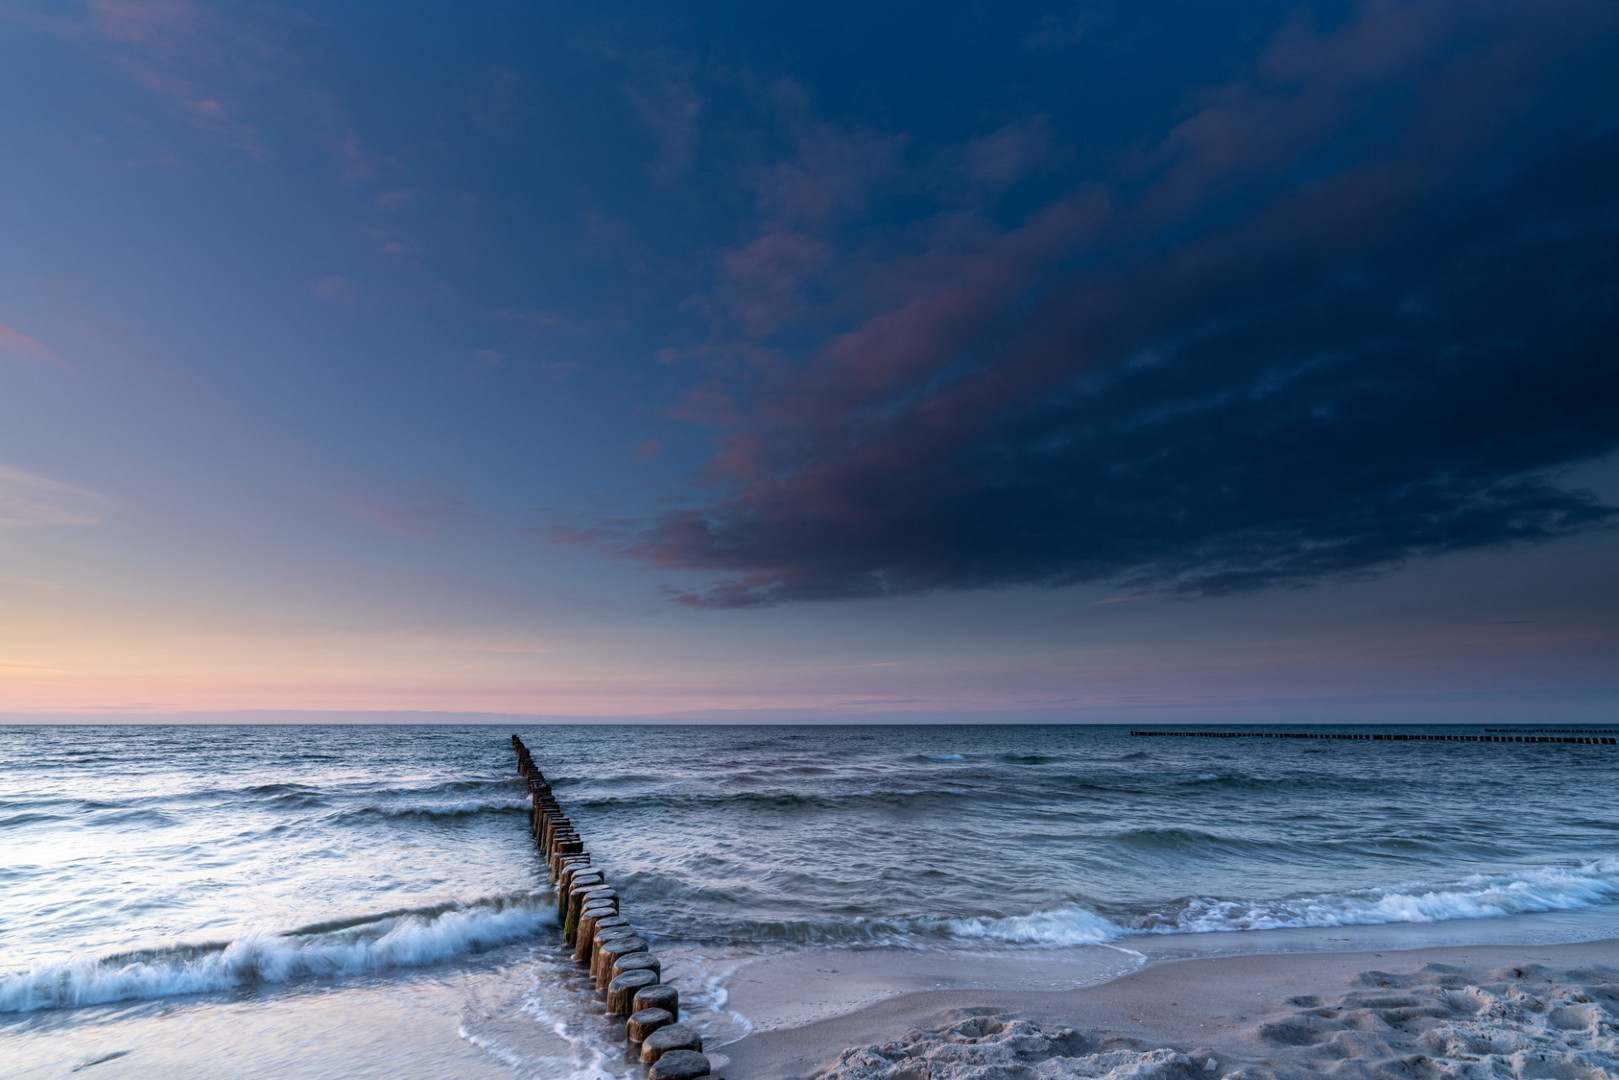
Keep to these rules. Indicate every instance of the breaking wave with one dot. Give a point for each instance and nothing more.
(395, 939)
(1480, 896)
(1062, 926)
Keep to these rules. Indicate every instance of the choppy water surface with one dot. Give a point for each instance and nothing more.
(236, 894)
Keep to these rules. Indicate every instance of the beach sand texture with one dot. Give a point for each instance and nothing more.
(1473, 1012)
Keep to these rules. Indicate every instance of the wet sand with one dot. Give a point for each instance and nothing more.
(1470, 1011)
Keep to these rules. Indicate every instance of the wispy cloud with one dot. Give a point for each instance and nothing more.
(31, 501)
(830, 173)
(16, 343)
(663, 93)
(214, 68)
(1007, 155)
(185, 54)
(498, 107)
(431, 514)
(356, 160)
(541, 319)
(335, 288)
(398, 199)
(670, 107)
(205, 108)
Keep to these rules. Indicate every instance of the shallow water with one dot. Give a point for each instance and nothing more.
(366, 900)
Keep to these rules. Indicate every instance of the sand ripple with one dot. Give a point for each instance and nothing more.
(1514, 1023)
(989, 1048)
(1436, 1023)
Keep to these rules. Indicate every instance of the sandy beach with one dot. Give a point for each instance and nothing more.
(1465, 1012)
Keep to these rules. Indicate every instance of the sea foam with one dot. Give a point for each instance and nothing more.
(1549, 888)
(1479, 896)
(1062, 926)
(396, 939)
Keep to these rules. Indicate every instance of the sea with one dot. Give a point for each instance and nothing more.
(366, 900)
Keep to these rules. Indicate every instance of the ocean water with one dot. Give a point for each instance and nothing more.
(366, 901)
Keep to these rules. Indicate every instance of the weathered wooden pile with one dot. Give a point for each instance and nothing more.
(626, 972)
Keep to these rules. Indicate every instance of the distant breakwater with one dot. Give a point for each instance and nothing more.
(1594, 738)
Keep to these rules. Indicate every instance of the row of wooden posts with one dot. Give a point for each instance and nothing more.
(626, 972)
(1379, 736)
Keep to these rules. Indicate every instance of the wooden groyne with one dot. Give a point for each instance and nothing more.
(1584, 739)
(626, 972)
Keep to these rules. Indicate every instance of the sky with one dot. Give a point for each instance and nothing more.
(1117, 362)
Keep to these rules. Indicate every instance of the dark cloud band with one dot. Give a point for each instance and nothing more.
(1379, 331)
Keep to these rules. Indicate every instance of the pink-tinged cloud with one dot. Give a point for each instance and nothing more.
(355, 160)
(335, 288)
(166, 30)
(499, 107)
(542, 319)
(204, 109)
(390, 243)
(955, 308)
(762, 284)
(671, 108)
(397, 199)
(830, 174)
(1014, 152)
(1311, 88)
(429, 516)
(183, 53)
(18, 344)
(202, 64)
(709, 403)
(28, 500)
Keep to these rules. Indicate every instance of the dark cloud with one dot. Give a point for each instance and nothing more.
(1359, 307)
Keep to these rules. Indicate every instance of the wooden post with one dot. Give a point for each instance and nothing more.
(577, 899)
(571, 889)
(574, 878)
(678, 1065)
(576, 871)
(663, 997)
(612, 933)
(577, 858)
(544, 809)
(621, 990)
(569, 845)
(603, 908)
(667, 1038)
(644, 1022)
(589, 920)
(606, 930)
(607, 954)
(581, 857)
(638, 961)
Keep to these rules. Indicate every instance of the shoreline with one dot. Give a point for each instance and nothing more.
(1259, 1015)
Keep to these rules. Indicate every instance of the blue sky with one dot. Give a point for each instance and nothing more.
(1095, 361)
